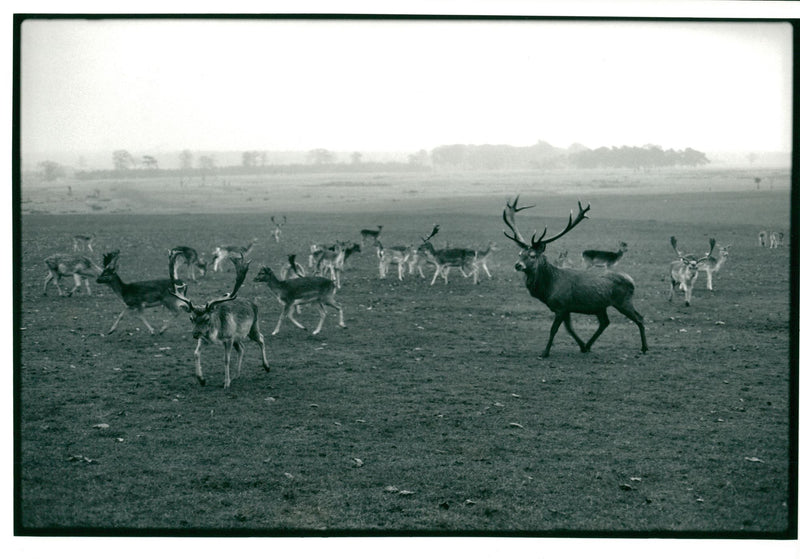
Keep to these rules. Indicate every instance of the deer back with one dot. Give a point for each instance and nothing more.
(226, 320)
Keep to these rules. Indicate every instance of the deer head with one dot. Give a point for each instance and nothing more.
(529, 256)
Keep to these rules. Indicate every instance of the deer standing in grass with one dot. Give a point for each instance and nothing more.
(138, 295)
(712, 264)
(301, 291)
(371, 235)
(604, 258)
(191, 259)
(566, 291)
(447, 258)
(276, 232)
(228, 251)
(229, 321)
(683, 272)
(482, 259)
(79, 267)
(80, 241)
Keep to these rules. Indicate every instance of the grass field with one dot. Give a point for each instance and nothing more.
(431, 413)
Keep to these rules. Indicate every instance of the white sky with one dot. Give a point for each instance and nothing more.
(384, 85)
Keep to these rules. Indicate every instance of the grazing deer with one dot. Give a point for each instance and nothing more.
(191, 259)
(80, 241)
(227, 320)
(226, 251)
(482, 259)
(447, 258)
(775, 239)
(276, 232)
(762, 238)
(712, 264)
(604, 258)
(683, 272)
(371, 234)
(566, 291)
(79, 267)
(138, 295)
(301, 291)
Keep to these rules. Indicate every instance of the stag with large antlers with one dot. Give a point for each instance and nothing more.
(566, 291)
(227, 320)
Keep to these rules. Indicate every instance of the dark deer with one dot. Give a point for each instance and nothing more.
(566, 291)
(138, 295)
(227, 320)
(604, 258)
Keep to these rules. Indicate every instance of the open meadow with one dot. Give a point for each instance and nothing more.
(432, 412)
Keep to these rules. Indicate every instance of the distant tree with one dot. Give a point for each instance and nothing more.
(149, 162)
(693, 158)
(355, 158)
(249, 158)
(320, 156)
(419, 159)
(758, 182)
(207, 165)
(122, 160)
(52, 170)
(186, 158)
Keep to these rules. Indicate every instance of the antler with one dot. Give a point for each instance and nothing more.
(711, 243)
(570, 225)
(435, 230)
(508, 216)
(110, 259)
(178, 287)
(674, 242)
(241, 272)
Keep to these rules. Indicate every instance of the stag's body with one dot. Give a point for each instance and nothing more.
(139, 295)
(191, 259)
(228, 321)
(299, 291)
(566, 291)
(79, 267)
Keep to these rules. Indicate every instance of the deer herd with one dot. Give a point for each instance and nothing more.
(230, 320)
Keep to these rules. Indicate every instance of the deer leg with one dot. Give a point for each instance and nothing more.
(86, 284)
(280, 319)
(338, 307)
(239, 347)
(632, 314)
(228, 345)
(54, 278)
(672, 284)
(602, 317)
(436, 274)
(77, 279)
(708, 281)
(553, 329)
(256, 336)
(486, 269)
(198, 369)
(568, 326)
(322, 314)
(140, 312)
(116, 322)
(290, 314)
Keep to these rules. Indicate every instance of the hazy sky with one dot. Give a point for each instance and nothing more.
(379, 85)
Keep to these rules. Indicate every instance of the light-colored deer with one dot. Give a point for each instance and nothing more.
(371, 235)
(447, 258)
(276, 232)
(226, 251)
(301, 291)
(81, 241)
(683, 272)
(387, 256)
(227, 320)
(566, 291)
(192, 260)
(563, 260)
(712, 265)
(482, 259)
(775, 239)
(604, 258)
(138, 295)
(80, 268)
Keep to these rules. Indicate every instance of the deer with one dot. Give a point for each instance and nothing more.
(329, 261)
(301, 291)
(227, 320)
(80, 268)
(447, 258)
(138, 295)
(565, 291)
(398, 255)
(80, 241)
(563, 260)
(371, 234)
(775, 239)
(292, 269)
(683, 272)
(482, 259)
(276, 232)
(604, 258)
(712, 265)
(225, 251)
(192, 260)
(762, 238)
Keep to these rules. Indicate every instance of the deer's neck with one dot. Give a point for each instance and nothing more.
(539, 279)
(118, 286)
